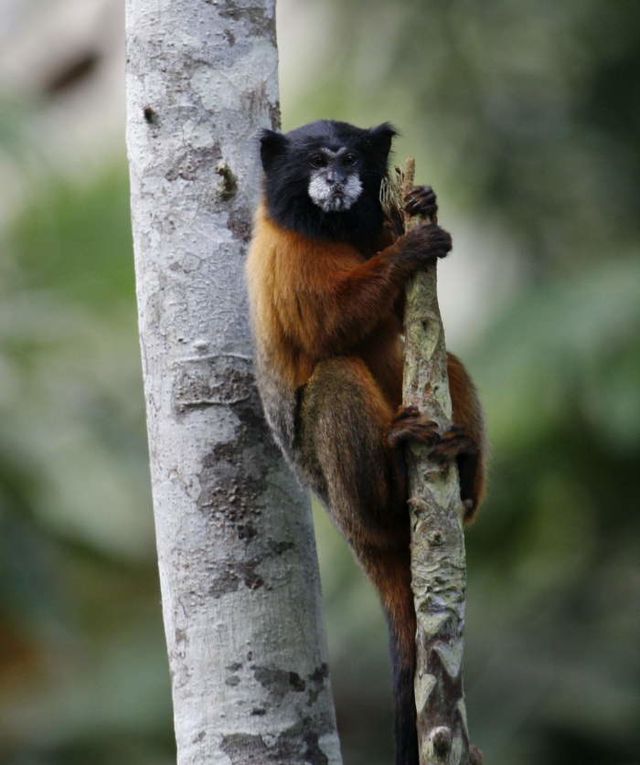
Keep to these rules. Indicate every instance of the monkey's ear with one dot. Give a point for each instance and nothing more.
(272, 145)
(381, 138)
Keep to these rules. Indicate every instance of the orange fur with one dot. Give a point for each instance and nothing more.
(330, 360)
(312, 300)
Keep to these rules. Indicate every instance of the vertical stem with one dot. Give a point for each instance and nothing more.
(437, 539)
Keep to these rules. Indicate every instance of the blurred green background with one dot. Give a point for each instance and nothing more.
(525, 117)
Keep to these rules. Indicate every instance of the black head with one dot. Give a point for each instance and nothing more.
(323, 179)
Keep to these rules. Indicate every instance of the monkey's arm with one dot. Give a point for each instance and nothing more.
(341, 307)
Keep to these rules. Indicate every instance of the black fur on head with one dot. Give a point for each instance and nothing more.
(287, 160)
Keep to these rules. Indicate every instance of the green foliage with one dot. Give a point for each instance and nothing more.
(525, 113)
(555, 552)
(83, 672)
(73, 241)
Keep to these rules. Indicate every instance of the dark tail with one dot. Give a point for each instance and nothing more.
(391, 574)
(403, 667)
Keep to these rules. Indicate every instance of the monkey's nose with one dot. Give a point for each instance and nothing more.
(335, 178)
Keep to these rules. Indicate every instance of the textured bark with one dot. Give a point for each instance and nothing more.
(438, 571)
(237, 560)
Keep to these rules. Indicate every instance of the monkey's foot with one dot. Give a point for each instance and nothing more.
(452, 443)
(421, 200)
(410, 425)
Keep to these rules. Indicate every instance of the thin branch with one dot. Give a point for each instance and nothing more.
(437, 540)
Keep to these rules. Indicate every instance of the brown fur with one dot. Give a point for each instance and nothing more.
(330, 358)
(300, 291)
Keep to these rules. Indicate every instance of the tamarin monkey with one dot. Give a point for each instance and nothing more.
(326, 275)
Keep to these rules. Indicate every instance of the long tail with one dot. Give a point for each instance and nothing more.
(405, 707)
(391, 574)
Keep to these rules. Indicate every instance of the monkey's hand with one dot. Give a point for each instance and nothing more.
(422, 244)
(421, 200)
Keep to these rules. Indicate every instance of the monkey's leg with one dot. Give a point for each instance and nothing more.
(410, 424)
(345, 419)
(467, 438)
(346, 422)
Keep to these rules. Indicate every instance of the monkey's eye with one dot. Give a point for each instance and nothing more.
(318, 159)
(350, 159)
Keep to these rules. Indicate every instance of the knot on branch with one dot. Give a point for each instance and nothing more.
(419, 506)
(435, 539)
(229, 184)
(440, 741)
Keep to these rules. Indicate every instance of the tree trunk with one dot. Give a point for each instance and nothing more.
(438, 572)
(237, 559)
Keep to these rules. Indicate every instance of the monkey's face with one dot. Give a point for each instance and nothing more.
(323, 179)
(334, 178)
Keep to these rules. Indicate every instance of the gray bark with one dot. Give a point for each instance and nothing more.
(237, 559)
(438, 574)
(438, 570)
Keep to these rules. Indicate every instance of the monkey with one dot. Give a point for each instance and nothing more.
(326, 272)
